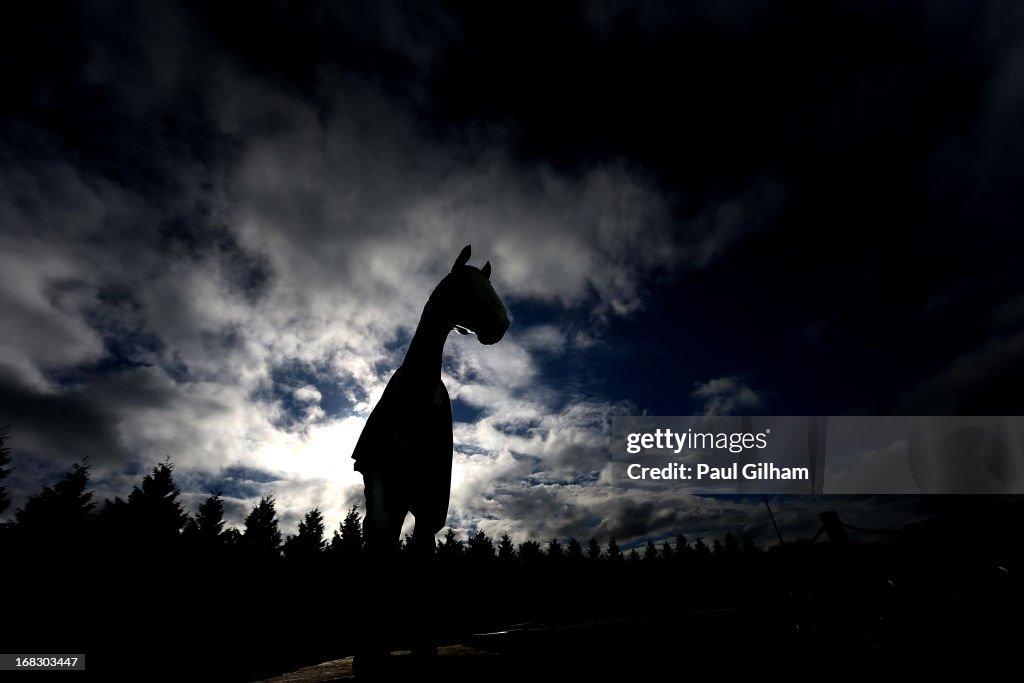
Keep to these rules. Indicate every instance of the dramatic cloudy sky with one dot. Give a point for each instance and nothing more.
(219, 224)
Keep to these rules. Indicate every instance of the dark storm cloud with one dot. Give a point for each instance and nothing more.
(85, 421)
(80, 420)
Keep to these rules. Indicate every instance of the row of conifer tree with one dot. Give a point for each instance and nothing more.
(65, 515)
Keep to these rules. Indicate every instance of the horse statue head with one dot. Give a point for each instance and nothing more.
(469, 303)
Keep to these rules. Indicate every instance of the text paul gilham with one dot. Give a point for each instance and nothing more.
(733, 471)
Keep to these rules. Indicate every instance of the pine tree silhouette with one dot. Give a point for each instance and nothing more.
(481, 548)
(594, 550)
(347, 542)
(5, 460)
(60, 515)
(203, 532)
(309, 543)
(210, 517)
(574, 551)
(682, 546)
(650, 552)
(667, 553)
(506, 551)
(147, 527)
(152, 517)
(530, 552)
(232, 538)
(634, 557)
(262, 538)
(613, 553)
(451, 548)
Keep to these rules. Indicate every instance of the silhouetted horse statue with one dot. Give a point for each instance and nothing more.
(405, 449)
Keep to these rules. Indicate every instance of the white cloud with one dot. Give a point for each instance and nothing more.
(544, 338)
(726, 395)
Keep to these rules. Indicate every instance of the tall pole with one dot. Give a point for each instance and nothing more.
(772, 515)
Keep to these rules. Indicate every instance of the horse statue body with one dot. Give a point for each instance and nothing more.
(405, 449)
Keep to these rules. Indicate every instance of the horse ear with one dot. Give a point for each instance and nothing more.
(486, 270)
(463, 258)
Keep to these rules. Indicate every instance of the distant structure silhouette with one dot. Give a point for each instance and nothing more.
(405, 450)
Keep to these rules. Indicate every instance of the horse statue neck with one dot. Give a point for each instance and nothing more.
(423, 359)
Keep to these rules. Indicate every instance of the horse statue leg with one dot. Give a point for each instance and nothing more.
(386, 506)
(429, 506)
